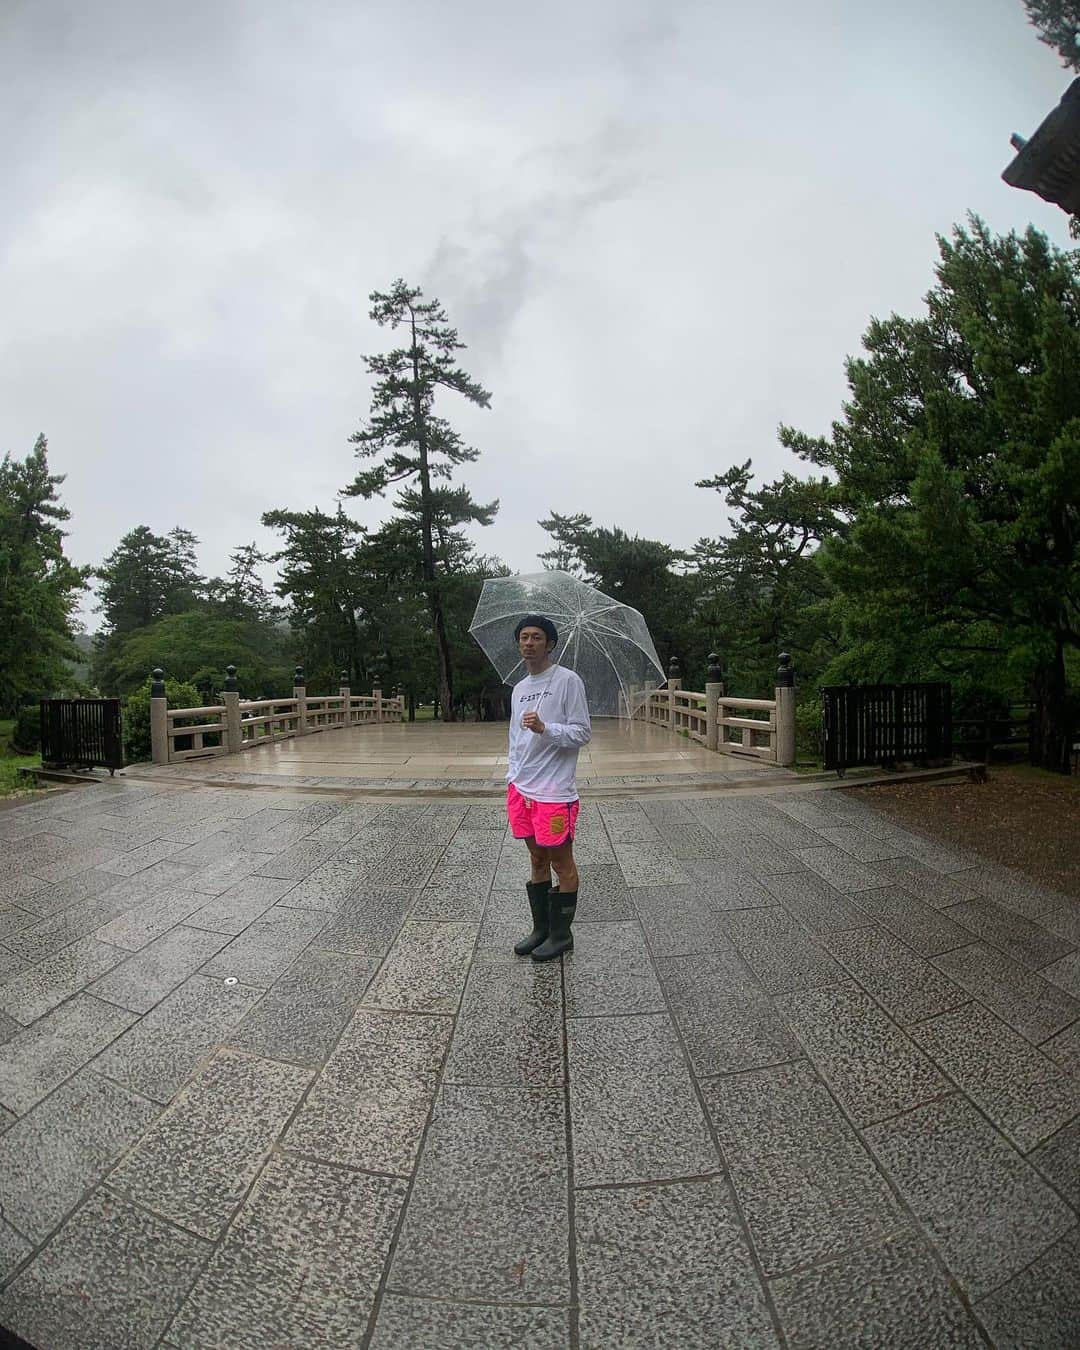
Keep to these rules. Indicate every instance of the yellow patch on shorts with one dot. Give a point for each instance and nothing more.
(558, 824)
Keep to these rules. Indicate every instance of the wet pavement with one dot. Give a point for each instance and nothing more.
(271, 1075)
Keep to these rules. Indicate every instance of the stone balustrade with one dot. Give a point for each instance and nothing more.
(761, 728)
(235, 724)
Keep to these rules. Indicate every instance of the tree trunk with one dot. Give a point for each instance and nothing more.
(431, 580)
(1051, 741)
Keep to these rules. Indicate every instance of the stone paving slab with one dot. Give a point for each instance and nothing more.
(907, 986)
(986, 1209)
(424, 1324)
(56, 1153)
(1041, 1305)
(144, 979)
(806, 1079)
(1026, 1095)
(637, 1246)
(509, 1030)
(893, 1293)
(164, 1048)
(368, 1107)
(874, 1070)
(195, 1164)
(1030, 1005)
(805, 1181)
(515, 1249)
(303, 1013)
(39, 988)
(39, 1058)
(635, 1114)
(84, 1289)
(301, 1265)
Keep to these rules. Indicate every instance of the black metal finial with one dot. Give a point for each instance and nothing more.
(298, 677)
(344, 677)
(714, 674)
(157, 689)
(673, 670)
(230, 679)
(785, 674)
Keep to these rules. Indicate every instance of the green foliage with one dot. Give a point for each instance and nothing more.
(26, 731)
(322, 582)
(13, 782)
(147, 576)
(242, 594)
(761, 590)
(196, 647)
(39, 586)
(1058, 25)
(957, 480)
(809, 726)
(136, 715)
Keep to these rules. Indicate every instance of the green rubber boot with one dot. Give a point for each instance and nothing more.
(538, 903)
(562, 907)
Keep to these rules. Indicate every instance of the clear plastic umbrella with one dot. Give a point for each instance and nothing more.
(605, 641)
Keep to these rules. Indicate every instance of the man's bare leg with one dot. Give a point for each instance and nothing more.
(540, 860)
(561, 858)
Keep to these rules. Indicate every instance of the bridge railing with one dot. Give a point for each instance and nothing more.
(235, 724)
(759, 728)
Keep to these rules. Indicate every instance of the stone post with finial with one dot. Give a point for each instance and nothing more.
(159, 718)
(785, 710)
(376, 694)
(714, 692)
(230, 696)
(346, 694)
(300, 694)
(674, 681)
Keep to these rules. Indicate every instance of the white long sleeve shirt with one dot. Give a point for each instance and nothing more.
(544, 767)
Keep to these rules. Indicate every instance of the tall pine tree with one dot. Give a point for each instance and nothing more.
(413, 447)
(39, 585)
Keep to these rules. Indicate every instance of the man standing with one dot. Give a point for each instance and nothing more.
(549, 723)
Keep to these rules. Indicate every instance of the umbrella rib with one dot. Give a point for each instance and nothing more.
(611, 663)
(626, 637)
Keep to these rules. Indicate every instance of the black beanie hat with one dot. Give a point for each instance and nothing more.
(538, 621)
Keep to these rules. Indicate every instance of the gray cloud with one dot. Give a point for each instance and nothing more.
(659, 228)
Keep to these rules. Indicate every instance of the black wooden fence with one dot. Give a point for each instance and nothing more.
(81, 733)
(886, 724)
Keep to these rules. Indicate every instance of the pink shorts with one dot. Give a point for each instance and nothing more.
(549, 823)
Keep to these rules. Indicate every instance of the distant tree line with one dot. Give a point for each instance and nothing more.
(933, 535)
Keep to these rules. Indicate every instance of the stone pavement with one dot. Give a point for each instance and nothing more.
(270, 1076)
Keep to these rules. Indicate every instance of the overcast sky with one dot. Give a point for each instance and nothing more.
(659, 227)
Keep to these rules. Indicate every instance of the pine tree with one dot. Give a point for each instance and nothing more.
(414, 447)
(1058, 24)
(39, 585)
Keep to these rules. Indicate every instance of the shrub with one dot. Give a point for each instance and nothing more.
(137, 715)
(26, 733)
(809, 739)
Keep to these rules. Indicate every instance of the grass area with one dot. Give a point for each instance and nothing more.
(12, 783)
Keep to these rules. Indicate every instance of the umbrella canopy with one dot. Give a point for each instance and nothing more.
(605, 641)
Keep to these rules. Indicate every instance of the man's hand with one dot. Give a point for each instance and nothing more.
(531, 721)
